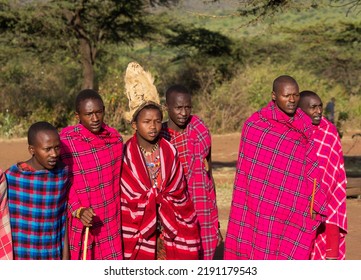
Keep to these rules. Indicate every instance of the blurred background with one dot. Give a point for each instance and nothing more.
(227, 52)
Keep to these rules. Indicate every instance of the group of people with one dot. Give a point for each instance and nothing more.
(84, 194)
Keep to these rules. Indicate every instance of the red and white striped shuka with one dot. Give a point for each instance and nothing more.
(270, 212)
(6, 249)
(170, 202)
(194, 145)
(329, 151)
(94, 162)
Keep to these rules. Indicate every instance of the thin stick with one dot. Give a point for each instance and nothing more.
(313, 196)
(85, 248)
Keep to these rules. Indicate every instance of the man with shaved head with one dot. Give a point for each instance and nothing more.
(330, 241)
(278, 201)
(37, 192)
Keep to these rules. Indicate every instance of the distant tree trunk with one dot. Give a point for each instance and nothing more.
(87, 62)
(86, 49)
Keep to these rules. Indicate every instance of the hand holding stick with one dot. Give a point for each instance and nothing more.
(86, 217)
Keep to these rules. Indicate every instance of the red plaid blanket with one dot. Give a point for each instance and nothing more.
(194, 145)
(6, 249)
(94, 165)
(270, 212)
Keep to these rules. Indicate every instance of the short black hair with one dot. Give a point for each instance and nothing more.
(305, 94)
(148, 106)
(308, 93)
(176, 88)
(86, 94)
(281, 80)
(37, 127)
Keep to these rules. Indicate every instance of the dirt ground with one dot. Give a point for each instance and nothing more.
(224, 156)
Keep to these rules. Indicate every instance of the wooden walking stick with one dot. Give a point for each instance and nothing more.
(85, 248)
(313, 197)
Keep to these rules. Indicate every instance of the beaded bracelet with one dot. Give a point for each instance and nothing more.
(78, 212)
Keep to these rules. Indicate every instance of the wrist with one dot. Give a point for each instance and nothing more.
(79, 212)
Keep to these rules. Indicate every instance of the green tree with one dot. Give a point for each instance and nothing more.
(79, 28)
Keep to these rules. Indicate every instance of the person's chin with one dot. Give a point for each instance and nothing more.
(182, 124)
(316, 120)
(49, 167)
(153, 139)
(95, 130)
(291, 110)
(290, 113)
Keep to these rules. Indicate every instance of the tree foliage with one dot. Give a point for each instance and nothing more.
(228, 61)
(80, 28)
(204, 41)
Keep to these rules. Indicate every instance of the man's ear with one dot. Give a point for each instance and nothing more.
(134, 125)
(77, 116)
(273, 96)
(31, 149)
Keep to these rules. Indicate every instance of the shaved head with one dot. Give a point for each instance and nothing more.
(281, 80)
(38, 127)
(285, 94)
(304, 96)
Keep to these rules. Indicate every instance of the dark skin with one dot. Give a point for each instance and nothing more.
(286, 95)
(313, 107)
(44, 155)
(91, 114)
(148, 125)
(86, 216)
(45, 150)
(179, 106)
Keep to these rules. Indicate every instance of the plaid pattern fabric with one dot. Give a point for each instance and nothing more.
(179, 141)
(270, 212)
(329, 151)
(37, 206)
(94, 167)
(194, 145)
(6, 248)
(145, 207)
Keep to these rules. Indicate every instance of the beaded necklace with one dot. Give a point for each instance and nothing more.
(155, 147)
(152, 161)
